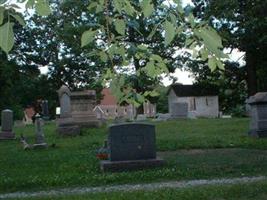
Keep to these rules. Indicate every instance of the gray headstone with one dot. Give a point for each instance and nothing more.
(65, 104)
(258, 113)
(131, 141)
(140, 118)
(7, 120)
(39, 134)
(7, 125)
(179, 110)
(131, 146)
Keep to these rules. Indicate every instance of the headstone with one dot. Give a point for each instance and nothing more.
(7, 125)
(131, 146)
(45, 110)
(82, 105)
(163, 117)
(258, 124)
(39, 134)
(179, 110)
(65, 123)
(141, 118)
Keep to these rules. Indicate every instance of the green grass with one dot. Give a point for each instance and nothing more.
(255, 191)
(72, 162)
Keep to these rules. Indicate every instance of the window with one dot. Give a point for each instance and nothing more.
(192, 103)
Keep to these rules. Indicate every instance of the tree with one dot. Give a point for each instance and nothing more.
(243, 25)
(115, 33)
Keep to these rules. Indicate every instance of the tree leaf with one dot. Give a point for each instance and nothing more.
(42, 7)
(212, 63)
(169, 32)
(117, 5)
(6, 37)
(220, 64)
(2, 12)
(147, 7)
(87, 37)
(19, 19)
(120, 26)
(211, 40)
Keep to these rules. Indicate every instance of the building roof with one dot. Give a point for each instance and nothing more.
(108, 98)
(193, 90)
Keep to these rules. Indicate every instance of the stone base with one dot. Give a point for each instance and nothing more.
(40, 146)
(115, 166)
(88, 124)
(6, 135)
(70, 130)
(258, 133)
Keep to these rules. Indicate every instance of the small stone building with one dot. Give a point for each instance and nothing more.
(198, 101)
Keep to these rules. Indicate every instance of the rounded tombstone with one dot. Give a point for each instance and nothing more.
(7, 120)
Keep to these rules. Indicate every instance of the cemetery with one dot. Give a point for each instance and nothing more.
(128, 99)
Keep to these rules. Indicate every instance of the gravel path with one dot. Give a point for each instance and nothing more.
(133, 187)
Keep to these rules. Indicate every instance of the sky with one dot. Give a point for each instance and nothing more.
(185, 77)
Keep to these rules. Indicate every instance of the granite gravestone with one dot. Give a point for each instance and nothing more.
(66, 125)
(82, 105)
(179, 110)
(7, 125)
(131, 146)
(141, 117)
(39, 135)
(258, 113)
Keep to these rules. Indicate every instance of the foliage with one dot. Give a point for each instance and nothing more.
(122, 33)
(162, 101)
(242, 25)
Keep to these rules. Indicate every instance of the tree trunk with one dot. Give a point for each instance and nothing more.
(251, 74)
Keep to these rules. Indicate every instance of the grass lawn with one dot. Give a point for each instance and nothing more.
(194, 149)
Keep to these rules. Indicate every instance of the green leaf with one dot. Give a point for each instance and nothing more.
(154, 93)
(120, 26)
(212, 63)
(150, 69)
(117, 5)
(103, 56)
(92, 5)
(169, 32)
(30, 4)
(19, 19)
(211, 40)
(147, 7)
(87, 37)
(6, 37)
(42, 7)
(2, 12)
(129, 8)
(220, 65)
(179, 6)
(204, 54)
(156, 58)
